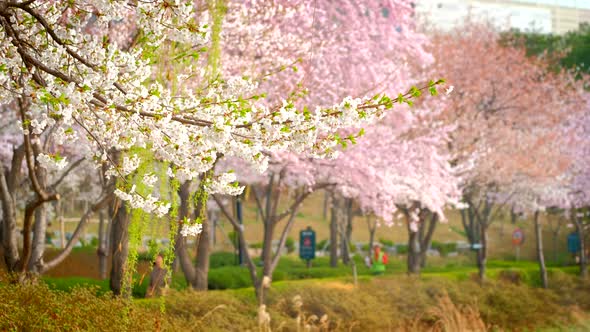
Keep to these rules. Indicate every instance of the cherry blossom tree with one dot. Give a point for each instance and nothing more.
(347, 48)
(511, 114)
(17, 195)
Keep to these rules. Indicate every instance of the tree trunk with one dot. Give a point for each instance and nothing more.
(426, 237)
(202, 268)
(39, 237)
(582, 235)
(345, 213)
(372, 229)
(102, 251)
(9, 227)
(182, 254)
(513, 216)
(120, 247)
(413, 252)
(540, 256)
(269, 227)
(334, 232)
(482, 253)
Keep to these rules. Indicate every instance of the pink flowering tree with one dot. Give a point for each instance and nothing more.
(62, 73)
(579, 193)
(20, 172)
(341, 49)
(510, 113)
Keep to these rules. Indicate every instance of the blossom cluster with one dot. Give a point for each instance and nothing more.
(78, 79)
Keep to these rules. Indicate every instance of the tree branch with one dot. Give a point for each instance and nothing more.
(72, 166)
(259, 203)
(101, 203)
(243, 244)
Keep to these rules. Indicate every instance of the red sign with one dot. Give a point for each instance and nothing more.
(517, 237)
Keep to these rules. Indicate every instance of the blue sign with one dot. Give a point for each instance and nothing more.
(573, 242)
(307, 244)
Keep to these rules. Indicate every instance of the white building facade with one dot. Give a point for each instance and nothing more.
(545, 16)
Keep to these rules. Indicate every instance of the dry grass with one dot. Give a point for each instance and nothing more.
(385, 304)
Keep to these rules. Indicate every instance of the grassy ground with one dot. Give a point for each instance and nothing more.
(436, 302)
(443, 298)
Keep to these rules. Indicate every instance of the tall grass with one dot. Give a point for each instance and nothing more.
(394, 303)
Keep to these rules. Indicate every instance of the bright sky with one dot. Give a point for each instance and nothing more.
(581, 4)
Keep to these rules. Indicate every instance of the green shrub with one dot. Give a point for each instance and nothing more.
(323, 245)
(385, 242)
(402, 249)
(145, 256)
(228, 277)
(256, 245)
(290, 245)
(444, 248)
(222, 258)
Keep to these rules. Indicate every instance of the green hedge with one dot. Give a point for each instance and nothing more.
(444, 248)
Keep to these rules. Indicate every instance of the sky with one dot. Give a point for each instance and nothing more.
(580, 4)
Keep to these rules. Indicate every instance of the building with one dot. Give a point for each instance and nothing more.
(545, 16)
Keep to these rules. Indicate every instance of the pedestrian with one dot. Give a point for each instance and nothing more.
(158, 280)
(379, 260)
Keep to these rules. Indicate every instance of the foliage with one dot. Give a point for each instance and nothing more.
(402, 249)
(256, 245)
(221, 259)
(290, 245)
(444, 248)
(399, 303)
(323, 245)
(386, 242)
(571, 50)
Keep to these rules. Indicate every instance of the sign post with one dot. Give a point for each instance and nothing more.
(517, 241)
(573, 243)
(307, 245)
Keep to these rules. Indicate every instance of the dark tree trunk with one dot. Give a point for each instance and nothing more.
(513, 216)
(427, 226)
(582, 235)
(346, 214)
(540, 256)
(482, 253)
(477, 229)
(413, 260)
(413, 252)
(102, 251)
(9, 225)
(182, 254)
(119, 247)
(203, 246)
(334, 231)
(372, 228)
(267, 252)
